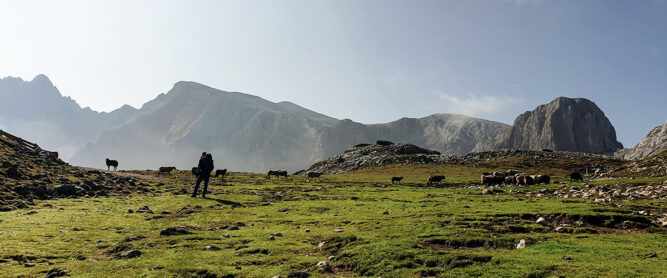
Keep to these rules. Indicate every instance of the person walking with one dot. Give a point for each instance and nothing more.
(205, 167)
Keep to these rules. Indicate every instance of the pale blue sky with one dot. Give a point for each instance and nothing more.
(370, 61)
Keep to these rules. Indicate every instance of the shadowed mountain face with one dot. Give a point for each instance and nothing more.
(565, 124)
(36, 111)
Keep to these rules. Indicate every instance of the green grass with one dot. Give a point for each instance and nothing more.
(452, 230)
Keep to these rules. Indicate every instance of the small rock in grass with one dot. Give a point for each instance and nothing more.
(541, 221)
(166, 212)
(211, 248)
(560, 229)
(129, 254)
(567, 258)
(386, 212)
(331, 257)
(28, 264)
(321, 244)
(652, 255)
(323, 267)
(339, 230)
(307, 230)
(130, 211)
(225, 235)
(522, 244)
(272, 237)
(233, 228)
(144, 209)
(178, 230)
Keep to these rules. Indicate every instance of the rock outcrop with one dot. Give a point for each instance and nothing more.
(654, 143)
(565, 124)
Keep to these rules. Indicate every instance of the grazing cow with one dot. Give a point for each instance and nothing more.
(576, 176)
(491, 180)
(166, 170)
(112, 163)
(513, 172)
(312, 175)
(435, 179)
(222, 173)
(277, 173)
(498, 174)
(396, 180)
(519, 179)
(195, 171)
(509, 180)
(528, 180)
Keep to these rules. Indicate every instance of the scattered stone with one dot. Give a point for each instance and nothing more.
(652, 255)
(307, 230)
(144, 209)
(225, 235)
(211, 248)
(130, 211)
(339, 230)
(129, 254)
(28, 264)
(522, 244)
(172, 231)
(282, 210)
(541, 221)
(560, 229)
(166, 212)
(233, 227)
(323, 267)
(133, 238)
(567, 258)
(272, 237)
(56, 273)
(93, 260)
(331, 257)
(321, 244)
(485, 191)
(386, 212)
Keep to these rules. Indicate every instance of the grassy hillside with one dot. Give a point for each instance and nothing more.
(253, 227)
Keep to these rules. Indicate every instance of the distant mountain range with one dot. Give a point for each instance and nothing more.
(248, 133)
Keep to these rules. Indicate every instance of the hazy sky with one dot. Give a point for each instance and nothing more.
(370, 61)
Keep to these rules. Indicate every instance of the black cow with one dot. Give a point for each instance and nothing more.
(220, 172)
(112, 163)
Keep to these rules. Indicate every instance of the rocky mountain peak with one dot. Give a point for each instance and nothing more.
(654, 143)
(564, 124)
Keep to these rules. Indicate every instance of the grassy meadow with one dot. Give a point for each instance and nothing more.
(359, 223)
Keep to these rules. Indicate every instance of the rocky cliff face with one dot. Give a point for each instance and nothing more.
(654, 143)
(565, 124)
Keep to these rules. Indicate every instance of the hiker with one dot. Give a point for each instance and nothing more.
(205, 167)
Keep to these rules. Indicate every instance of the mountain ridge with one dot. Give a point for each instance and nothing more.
(248, 132)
